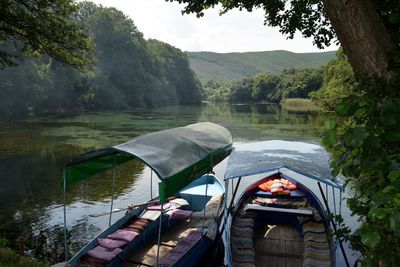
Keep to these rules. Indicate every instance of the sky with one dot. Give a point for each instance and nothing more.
(235, 31)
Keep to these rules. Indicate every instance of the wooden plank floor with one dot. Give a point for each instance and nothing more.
(147, 255)
(278, 245)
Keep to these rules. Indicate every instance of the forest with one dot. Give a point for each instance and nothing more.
(266, 87)
(127, 72)
(325, 86)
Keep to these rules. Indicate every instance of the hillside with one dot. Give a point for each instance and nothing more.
(236, 66)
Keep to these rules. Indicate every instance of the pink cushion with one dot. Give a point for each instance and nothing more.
(122, 234)
(158, 207)
(180, 214)
(111, 243)
(103, 254)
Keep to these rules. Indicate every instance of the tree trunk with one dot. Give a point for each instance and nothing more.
(362, 34)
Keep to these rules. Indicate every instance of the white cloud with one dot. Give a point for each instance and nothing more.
(236, 31)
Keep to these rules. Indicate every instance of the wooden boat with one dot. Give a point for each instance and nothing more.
(277, 220)
(177, 228)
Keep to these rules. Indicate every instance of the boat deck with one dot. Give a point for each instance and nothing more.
(278, 245)
(147, 255)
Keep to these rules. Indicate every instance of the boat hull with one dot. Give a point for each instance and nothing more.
(269, 229)
(198, 195)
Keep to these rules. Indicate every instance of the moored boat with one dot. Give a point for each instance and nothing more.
(277, 220)
(179, 226)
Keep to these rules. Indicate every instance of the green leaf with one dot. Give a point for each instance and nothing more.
(394, 19)
(343, 108)
(394, 221)
(389, 119)
(355, 136)
(390, 107)
(370, 239)
(330, 138)
(396, 200)
(394, 175)
(392, 137)
(329, 124)
(377, 214)
(388, 189)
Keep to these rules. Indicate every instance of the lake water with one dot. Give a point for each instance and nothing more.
(34, 151)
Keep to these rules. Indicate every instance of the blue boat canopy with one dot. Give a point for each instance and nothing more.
(306, 159)
(178, 156)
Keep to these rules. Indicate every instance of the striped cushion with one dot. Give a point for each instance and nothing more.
(244, 255)
(242, 242)
(310, 262)
(243, 222)
(242, 231)
(316, 237)
(317, 245)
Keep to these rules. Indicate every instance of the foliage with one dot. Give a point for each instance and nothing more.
(238, 66)
(291, 16)
(365, 142)
(129, 72)
(267, 87)
(37, 27)
(339, 82)
(9, 258)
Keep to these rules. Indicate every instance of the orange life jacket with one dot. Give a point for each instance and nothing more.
(278, 186)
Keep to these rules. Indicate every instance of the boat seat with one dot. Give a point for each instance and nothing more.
(256, 207)
(183, 246)
(293, 194)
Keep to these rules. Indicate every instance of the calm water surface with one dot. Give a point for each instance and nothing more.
(34, 151)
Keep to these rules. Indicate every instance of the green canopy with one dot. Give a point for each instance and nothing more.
(178, 156)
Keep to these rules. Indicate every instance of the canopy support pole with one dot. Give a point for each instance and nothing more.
(232, 186)
(113, 188)
(235, 192)
(225, 202)
(326, 193)
(222, 230)
(159, 234)
(333, 224)
(204, 210)
(151, 183)
(226, 213)
(65, 215)
(334, 203)
(340, 202)
(334, 211)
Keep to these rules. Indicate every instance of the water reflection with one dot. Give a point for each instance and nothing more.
(33, 152)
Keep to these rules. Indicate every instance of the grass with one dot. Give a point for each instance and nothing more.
(299, 104)
(9, 258)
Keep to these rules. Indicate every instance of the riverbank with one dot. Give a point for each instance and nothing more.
(9, 258)
(299, 104)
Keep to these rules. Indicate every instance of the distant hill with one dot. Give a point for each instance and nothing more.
(236, 66)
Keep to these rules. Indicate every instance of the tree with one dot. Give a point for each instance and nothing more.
(128, 72)
(338, 83)
(39, 27)
(265, 85)
(368, 30)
